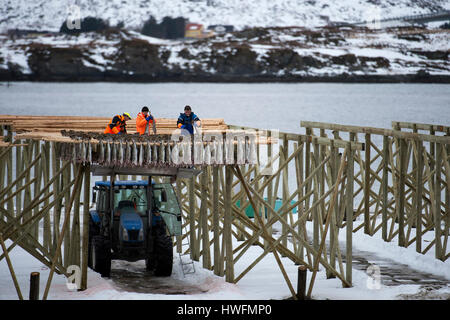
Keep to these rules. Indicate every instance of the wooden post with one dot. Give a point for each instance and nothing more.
(37, 184)
(321, 175)
(66, 177)
(349, 214)
(270, 197)
(57, 207)
(367, 187)
(299, 176)
(256, 210)
(333, 228)
(317, 216)
(46, 178)
(308, 167)
(85, 239)
(384, 189)
(285, 189)
(218, 263)
(301, 282)
(432, 153)
(204, 220)
(19, 167)
(192, 239)
(10, 203)
(74, 254)
(240, 235)
(178, 193)
(34, 286)
(229, 271)
(439, 254)
(401, 194)
(28, 158)
(419, 191)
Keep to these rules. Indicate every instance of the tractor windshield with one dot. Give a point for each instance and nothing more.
(136, 195)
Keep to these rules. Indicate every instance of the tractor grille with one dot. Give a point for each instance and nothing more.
(133, 235)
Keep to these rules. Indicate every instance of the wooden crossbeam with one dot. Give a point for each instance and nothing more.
(377, 131)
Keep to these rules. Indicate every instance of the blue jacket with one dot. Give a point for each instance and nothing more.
(187, 122)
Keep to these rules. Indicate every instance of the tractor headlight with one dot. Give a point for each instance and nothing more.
(124, 234)
(141, 235)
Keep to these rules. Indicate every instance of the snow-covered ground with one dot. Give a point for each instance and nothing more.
(264, 282)
(49, 15)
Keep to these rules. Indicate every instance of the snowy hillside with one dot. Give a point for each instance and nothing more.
(274, 54)
(50, 14)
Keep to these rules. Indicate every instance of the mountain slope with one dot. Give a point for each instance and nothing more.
(258, 54)
(50, 14)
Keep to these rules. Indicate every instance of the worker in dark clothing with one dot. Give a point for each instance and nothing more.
(118, 124)
(188, 120)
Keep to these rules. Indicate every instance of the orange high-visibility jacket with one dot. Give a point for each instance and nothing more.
(141, 122)
(116, 125)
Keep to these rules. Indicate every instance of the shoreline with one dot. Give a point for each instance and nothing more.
(346, 78)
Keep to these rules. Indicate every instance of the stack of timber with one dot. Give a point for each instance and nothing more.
(54, 124)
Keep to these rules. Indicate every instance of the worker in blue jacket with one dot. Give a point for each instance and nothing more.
(188, 120)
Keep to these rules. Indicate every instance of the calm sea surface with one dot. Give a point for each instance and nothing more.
(268, 105)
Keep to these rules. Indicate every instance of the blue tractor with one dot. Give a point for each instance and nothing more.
(133, 220)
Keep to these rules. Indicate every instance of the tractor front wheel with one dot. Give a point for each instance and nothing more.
(101, 255)
(161, 261)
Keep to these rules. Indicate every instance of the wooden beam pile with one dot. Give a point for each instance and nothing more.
(49, 128)
(50, 124)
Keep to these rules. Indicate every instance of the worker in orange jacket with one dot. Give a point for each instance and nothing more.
(143, 120)
(118, 124)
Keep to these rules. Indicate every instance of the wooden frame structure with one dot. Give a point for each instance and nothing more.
(404, 183)
(400, 189)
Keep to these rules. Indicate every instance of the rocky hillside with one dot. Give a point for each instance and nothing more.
(50, 14)
(258, 54)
